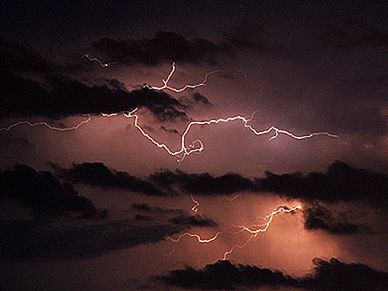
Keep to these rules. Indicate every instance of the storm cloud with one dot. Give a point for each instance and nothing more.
(34, 86)
(28, 240)
(97, 174)
(327, 275)
(174, 47)
(341, 183)
(44, 194)
(320, 218)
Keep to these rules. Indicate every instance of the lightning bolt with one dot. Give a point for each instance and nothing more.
(166, 86)
(233, 197)
(197, 236)
(253, 230)
(184, 150)
(46, 124)
(196, 205)
(198, 146)
(97, 60)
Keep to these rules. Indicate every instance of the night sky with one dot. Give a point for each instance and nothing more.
(162, 145)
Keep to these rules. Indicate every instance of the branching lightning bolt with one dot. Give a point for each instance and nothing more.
(196, 205)
(97, 60)
(196, 146)
(166, 86)
(253, 230)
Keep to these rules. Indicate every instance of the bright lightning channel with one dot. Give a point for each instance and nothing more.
(196, 146)
(45, 124)
(97, 60)
(195, 206)
(166, 86)
(253, 230)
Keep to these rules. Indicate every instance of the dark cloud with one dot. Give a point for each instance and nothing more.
(172, 46)
(44, 193)
(203, 184)
(97, 174)
(65, 96)
(162, 183)
(180, 216)
(32, 86)
(341, 183)
(146, 207)
(140, 217)
(224, 275)
(337, 275)
(169, 130)
(193, 221)
(33, 241)
(327, 275)
(320, 218)
(199, 98)
(150, 210)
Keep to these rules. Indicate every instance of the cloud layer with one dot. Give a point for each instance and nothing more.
(327, 275)
(174, 47)
(33, 86)
(44, 194)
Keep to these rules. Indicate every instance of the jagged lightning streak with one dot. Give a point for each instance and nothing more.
(198, 146)
(233, 197)
(46, 124)
(195, 206)
(166, 86)
(183, 151)
(97, 60)
(197, 236)
(253, 230)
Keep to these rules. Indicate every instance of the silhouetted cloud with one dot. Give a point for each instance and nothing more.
(27, 77)
(193, 221)
(44, 193)
(169, 130)
(172, 46)
(337, 275)
(203, 184)
(224, 275)
(178, 217)
(97, 174)
(320, 218)
(32, 241)
(146, 207)
(341, 183)
(68, 96)
(199, 98)
(327, 275)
